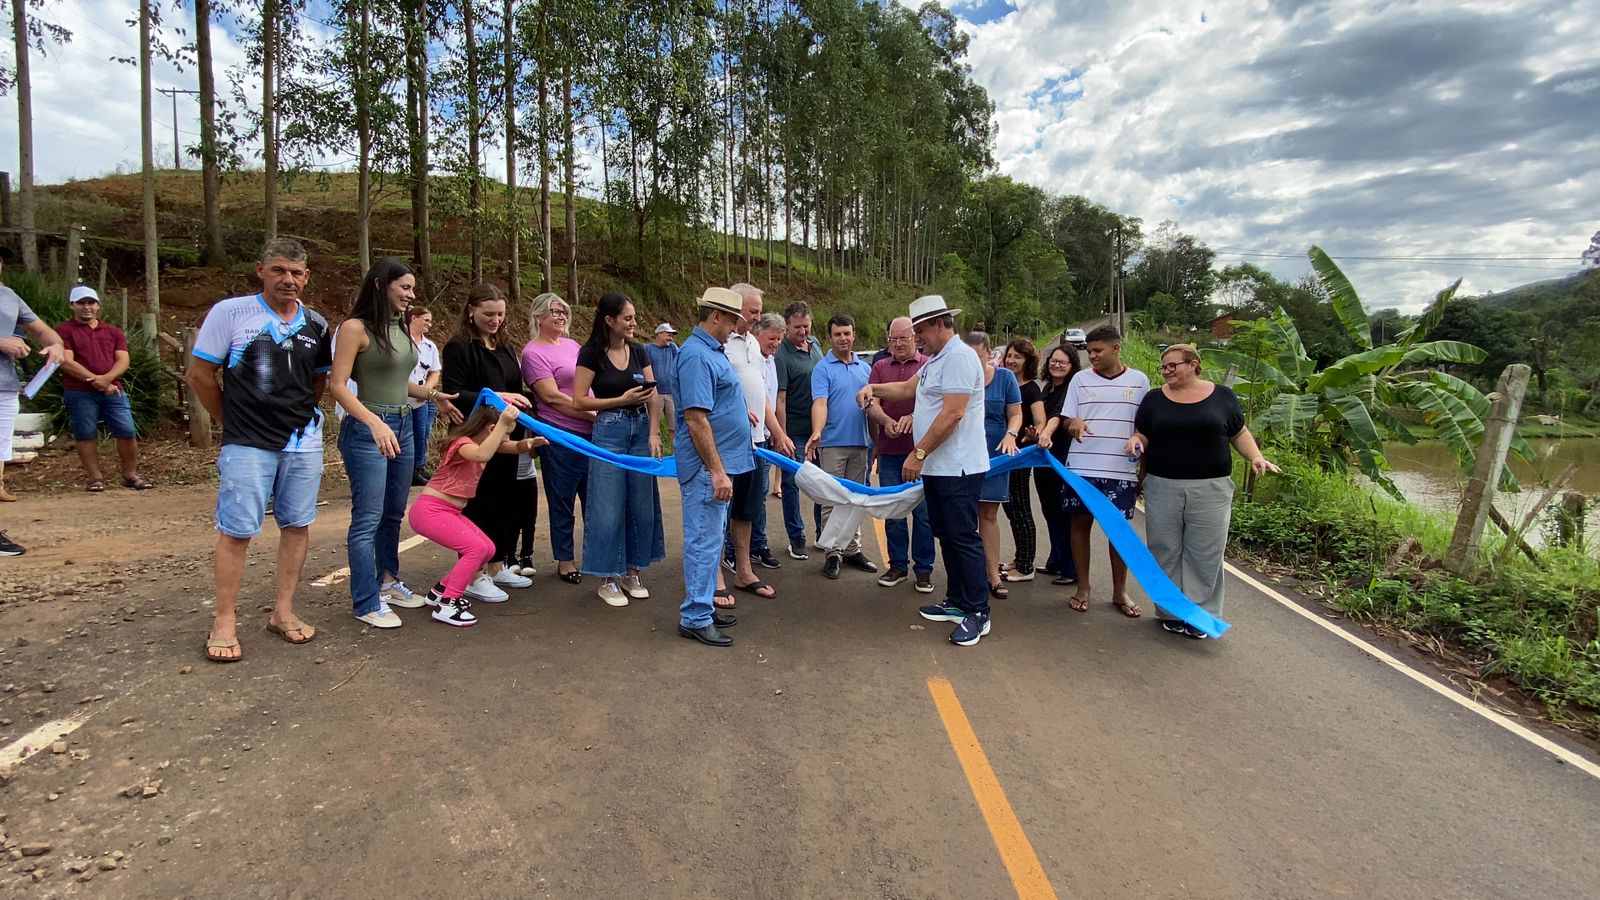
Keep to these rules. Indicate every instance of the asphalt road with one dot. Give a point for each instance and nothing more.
(564, 748)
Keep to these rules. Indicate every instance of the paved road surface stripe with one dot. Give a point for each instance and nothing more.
(343, 572)
(38, 739)
(1448, 693)
(1027, 876)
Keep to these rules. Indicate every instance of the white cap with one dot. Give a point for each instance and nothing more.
(666, 327)
(82, 292)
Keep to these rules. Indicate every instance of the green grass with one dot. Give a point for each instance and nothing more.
(1534, 623)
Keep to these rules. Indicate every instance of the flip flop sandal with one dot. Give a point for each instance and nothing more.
(999, 593)
(292, 625)
(95, 487)
(719, 596)
(756, 587)
(1079, 605)
(215, 644)
(1130, 610)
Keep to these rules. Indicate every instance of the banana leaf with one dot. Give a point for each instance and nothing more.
(1351, 368)
(1430, 317)
(1444, 352)
(1342, 295)
(1289, 414)
(1250, 368)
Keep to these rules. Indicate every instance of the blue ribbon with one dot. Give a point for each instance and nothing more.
(1141, 564)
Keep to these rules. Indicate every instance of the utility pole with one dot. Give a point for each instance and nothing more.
(177, 158)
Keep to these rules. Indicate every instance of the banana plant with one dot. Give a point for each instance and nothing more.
(1344, 412)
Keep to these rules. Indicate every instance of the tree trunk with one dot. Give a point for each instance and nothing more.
(513, 220)
(364, 138)
(213, 251)
(269, 123)
(417, 116)
(152, 257)
(570, 165)
(25, 198)
(545, 252)
(474, 151)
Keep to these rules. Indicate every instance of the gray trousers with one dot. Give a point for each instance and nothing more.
(1186, 528)
(845, 462)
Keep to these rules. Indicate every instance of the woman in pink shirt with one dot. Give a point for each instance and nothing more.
(548, 363)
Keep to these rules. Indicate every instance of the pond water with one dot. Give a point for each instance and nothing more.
(1428, 476)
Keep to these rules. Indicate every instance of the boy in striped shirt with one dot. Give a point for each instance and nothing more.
(1098, 411)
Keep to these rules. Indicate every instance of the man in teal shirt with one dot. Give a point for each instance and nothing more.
(797, 356)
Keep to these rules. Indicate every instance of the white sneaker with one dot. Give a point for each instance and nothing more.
(381, 617)
(508, 577)
(526, 568)
(482, 588)
(633, 588)
(613, 595)
(397, 594)
(453, 611)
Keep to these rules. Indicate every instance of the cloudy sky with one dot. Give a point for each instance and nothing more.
(1437, 128)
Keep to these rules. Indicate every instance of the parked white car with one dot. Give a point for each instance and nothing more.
(1075, 337)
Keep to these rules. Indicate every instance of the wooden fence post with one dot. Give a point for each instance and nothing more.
(1462, 558)
(1570, 523)
(74, 255)
(100, 288)
(199, 418)
(5, 199)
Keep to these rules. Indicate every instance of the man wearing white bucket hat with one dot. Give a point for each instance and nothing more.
(950, 458)
(16, 320)
(712, 446)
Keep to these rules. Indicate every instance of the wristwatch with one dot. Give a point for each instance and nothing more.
(920, 453)
(1010, 432)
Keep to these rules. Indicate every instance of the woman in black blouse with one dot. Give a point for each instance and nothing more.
(1060, 366)
(1184, 430)
(1023, 360)
(478, 357)
(622, 530)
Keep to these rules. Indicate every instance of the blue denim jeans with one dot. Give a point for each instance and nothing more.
(894, 530)
(953, 514)
(247, 477)
(704, 520)
(622, 511)
(422, 419)
(379, 489)
(566, 481)
(793, 523)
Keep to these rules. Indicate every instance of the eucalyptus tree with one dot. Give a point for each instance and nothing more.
(28, 35)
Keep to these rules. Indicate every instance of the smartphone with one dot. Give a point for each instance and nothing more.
(647, 385)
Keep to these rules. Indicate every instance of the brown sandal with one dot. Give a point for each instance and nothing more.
(1128, 608)
(94, 487)
(136, 482)
(1079, 605)
(293, 625)
(717, 598)
(215, 644)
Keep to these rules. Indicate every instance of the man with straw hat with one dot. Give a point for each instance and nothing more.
(712, 446)
(949, 457)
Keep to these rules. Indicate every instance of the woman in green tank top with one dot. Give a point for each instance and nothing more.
(373, 353)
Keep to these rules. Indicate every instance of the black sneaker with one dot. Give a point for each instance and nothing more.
(1189, 631)
(860, 561)
(1063, 580)
(797, 550)
(924, 583)
(892, 577)
(727, 562)
(767, 560)
(830, 567)
(419, 477)
(8, 547)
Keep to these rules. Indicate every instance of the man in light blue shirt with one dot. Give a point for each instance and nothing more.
(839, 439)
(713, 445)
(663, 354)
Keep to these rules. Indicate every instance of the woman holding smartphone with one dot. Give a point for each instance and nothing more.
(622, 533)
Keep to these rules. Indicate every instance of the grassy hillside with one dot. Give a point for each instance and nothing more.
(1552, 292)
(320, 211)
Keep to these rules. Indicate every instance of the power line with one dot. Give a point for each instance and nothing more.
(1277, 254)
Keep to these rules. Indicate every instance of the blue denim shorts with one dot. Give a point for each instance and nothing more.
(87, 409)
(1120, 492)
(249, 477)
(996, 489)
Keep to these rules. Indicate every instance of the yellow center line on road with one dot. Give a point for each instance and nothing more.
(1027, 875)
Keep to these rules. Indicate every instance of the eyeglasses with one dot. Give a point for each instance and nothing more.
(1060, 362)
(561, 312)
(1167, 368)
(899, 340)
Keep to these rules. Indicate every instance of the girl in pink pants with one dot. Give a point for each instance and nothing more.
(436, 514)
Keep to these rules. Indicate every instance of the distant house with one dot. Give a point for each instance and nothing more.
(1221, 327)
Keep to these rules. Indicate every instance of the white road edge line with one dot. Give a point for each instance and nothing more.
(1453, 696)
(343, 572)
(36, 740)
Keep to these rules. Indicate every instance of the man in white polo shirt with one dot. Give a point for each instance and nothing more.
(949, 458)
(1098, 415)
